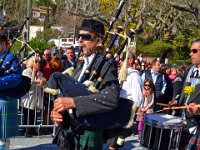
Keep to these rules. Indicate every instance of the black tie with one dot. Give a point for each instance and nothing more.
(197, 74)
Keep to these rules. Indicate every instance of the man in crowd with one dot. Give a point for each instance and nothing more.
(132, 87)
(70, 58)
(55, 51)
(45, 66)
(140, 57)
(89, 38)
(47, 70)
(158, 80)
(191, 78)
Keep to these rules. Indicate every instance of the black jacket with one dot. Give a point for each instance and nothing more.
(177, 86)
(66, 64)
(104, 101)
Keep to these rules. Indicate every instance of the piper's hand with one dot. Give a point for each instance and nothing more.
(192, 109)
(63, 103)
(56, 117)
(173, 103)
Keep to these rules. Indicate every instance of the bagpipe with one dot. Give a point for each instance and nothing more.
(67, 86)
(6, 69)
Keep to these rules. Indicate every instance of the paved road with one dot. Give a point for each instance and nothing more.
(44, 143)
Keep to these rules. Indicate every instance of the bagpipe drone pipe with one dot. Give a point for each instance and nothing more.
(21, 89)
(69, 87)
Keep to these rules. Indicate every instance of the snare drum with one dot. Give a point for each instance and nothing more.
(161, 132)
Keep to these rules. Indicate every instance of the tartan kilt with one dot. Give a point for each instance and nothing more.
(194, 143)
(8, 118)
(90, 140)
(184, 140)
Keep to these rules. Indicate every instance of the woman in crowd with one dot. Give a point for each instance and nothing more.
(174, 73)
(165, 69)
(56, 64)
(33, 98)
(147, 102)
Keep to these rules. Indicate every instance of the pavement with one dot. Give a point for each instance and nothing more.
(44, 143)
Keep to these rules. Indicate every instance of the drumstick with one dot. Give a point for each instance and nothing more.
(159, 110)
(180, 107)
(162, 104)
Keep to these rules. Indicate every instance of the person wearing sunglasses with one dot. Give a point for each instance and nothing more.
(87, 137)
(159, 82)
(190, 137)
(147, 103)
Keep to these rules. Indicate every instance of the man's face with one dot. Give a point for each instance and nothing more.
(195, 53)
(88, 42)
(70, 53)
(157, 66)
(47, 55)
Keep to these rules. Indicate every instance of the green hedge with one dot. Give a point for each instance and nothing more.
(156, 48)
(35, 43)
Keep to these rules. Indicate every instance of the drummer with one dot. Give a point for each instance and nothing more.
(190, 97)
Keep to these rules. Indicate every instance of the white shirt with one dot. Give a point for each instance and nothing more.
(87, 61)
(132, 87)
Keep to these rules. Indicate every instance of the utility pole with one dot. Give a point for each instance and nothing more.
(29, 15)
(47, 20)
(26, 30)
(75, 30)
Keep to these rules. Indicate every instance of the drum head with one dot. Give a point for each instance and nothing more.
(163, 120)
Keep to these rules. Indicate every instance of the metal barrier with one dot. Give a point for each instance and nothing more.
(34, 114)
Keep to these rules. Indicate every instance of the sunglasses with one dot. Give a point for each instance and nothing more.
(146, 84)
(194, 51)
(86, 36)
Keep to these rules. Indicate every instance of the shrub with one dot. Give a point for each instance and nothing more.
(35, 44)
(156, 48)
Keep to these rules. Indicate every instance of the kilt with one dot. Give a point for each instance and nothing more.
(90, 140)
(194, 143)
(185, 138)
(8, 118)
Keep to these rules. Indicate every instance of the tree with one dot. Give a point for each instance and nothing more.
(154, 20)
(188, 6)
